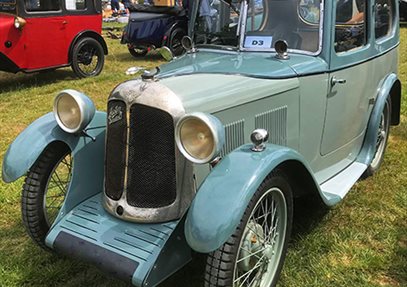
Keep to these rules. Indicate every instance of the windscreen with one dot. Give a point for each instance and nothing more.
(8, 6)
(217, 23)
(259, 24)
(295, 21)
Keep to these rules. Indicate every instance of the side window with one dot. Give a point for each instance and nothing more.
(383, 17)
(255, 15)
(350, 28)
(42, 5)
(217, 22)
(75, 4)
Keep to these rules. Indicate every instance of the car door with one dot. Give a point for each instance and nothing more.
(350, 92)
(44, 34)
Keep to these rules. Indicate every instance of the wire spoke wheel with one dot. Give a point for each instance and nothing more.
(137, 52)
(262, 242)
(175, 43)
(87, 58)
(382, 134)
(57, 188)
(45, 190)
(381, 139)
(254, 254)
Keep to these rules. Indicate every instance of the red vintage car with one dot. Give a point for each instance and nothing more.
(47, 34)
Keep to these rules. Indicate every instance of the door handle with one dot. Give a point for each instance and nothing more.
(335, 81)
(64, 22)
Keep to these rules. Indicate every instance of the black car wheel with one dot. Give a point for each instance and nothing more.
(175, 41)
(88, 58)
(254, 255)
(44, 191)
(137, 52)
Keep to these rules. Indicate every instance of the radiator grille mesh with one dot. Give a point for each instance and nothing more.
(152, 171)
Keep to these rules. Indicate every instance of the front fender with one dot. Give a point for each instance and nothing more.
(223, 197)
(30, 143)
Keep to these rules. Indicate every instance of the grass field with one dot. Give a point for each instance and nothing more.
(360, 242)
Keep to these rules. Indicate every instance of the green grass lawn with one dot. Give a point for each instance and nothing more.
(360, 242)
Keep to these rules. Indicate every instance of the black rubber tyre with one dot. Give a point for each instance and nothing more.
(37, 187)
(221, 264)
(175, 43)
(382, 138)
(88, 58)
(403, 11)
(138, 52)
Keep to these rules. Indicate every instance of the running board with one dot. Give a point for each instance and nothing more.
(335, 189)
(141, 254)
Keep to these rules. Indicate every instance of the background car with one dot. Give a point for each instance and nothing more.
(45, 34)
(153, 27)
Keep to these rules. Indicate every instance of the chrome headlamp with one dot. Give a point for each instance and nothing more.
(200, 137)
(73, 111)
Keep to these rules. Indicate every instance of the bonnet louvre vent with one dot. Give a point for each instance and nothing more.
(275, 122)
(234, 137)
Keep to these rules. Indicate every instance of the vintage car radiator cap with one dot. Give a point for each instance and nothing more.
(149, 75)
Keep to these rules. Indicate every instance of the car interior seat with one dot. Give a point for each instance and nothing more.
(283, 22)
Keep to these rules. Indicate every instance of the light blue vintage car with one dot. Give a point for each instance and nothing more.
(274, 100)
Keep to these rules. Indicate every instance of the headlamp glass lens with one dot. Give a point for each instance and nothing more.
(197, 138)
(69, 112)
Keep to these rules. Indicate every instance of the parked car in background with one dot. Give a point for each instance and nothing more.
(46, 34)
(274, 100)
(152, 27)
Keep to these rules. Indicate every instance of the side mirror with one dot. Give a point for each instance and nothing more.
(166, 53)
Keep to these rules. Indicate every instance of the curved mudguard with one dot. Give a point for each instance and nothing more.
(223, 197)
(88, 154)
(369, 146)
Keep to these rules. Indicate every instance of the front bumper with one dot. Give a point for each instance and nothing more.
(8, 65)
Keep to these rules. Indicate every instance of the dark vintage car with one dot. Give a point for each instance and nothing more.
(46, 34)
(153, 27)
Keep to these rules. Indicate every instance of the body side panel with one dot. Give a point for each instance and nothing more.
(349, 105)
